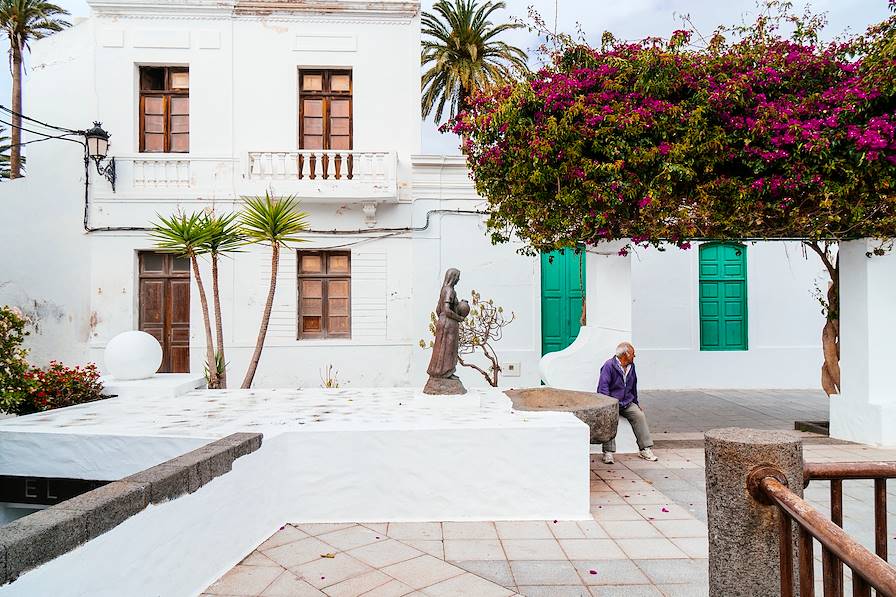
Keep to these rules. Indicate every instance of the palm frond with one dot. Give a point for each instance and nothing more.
(462, 54)
(185, 235)
(273, 220)
(224, 234)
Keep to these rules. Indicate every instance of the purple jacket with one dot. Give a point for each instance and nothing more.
(613, 383)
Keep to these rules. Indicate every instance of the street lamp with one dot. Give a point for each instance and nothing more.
(97, 148)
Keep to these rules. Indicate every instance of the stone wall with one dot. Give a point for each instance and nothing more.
(40, 537)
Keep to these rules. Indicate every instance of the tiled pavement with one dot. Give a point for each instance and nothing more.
(641, 542)
(675, 411)
(647, 537)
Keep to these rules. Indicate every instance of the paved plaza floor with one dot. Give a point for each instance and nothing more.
(641, 541)
(684, 411)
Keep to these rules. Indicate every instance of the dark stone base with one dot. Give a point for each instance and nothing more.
(819, 427)
(440, 386)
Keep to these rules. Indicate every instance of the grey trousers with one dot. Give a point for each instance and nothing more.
(636, 417)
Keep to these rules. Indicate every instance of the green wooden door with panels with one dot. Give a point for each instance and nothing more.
(562, 293)
(723, 296)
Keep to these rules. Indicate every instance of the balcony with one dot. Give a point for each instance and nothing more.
(324, 175)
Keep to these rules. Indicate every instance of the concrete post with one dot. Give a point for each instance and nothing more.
(865, 410)
(743, 533)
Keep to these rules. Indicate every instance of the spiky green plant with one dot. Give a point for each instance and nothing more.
(462, 53)
(224, 237)
(22, 21)
(4, 154)
(275, 222)
(186, 235)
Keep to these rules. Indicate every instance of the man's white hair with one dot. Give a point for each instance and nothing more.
(624, 348)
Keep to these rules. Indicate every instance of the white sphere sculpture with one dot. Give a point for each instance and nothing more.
(133, 355)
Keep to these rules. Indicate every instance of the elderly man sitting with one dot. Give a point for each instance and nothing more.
(619, 380)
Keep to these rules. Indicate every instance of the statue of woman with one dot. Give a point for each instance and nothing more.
(450, 313)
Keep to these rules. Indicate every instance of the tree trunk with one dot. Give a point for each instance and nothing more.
(15, 151)
(830, 341)
(219, 325)
(830, 333)
(265, 318)
(209, 345)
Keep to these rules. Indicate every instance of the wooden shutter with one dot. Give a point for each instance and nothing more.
(325, 109)
(164, 109)
(164, 307)
(561, 299)
(723, 296)
(324, 288)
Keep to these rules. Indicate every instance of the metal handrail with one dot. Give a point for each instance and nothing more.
(871, 570)
(830, 471)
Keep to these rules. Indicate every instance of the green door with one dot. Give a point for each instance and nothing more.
(723, 296)
(562, 291)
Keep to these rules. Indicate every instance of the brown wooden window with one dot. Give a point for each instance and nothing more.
(325, 280)
(164, 109)
(325, 109)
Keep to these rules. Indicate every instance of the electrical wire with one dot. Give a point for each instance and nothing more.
(36, 121)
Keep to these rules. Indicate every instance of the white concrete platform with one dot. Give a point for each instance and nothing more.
(333, 455)
(160, 384)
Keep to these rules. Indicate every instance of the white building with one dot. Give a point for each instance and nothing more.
(210, 101)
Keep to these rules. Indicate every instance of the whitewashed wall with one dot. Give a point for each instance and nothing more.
(82, 288)
(45, 262)
(784, 321)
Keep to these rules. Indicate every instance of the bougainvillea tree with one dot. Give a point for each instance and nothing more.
(748, 134)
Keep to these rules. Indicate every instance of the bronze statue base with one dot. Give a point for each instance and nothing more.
(444, 386)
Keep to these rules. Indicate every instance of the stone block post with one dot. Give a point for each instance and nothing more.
(743, 532)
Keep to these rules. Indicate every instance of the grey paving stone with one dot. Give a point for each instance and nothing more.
(676, 411)
(626, 591)
(675, 571)
(610, 572)
(554, 591)
(497, 571)
(544, 572)
(684, 590)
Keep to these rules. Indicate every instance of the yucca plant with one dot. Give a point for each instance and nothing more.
(186, 236)
(462, 52)
(223, 237)
(276, 222)
(22, 21)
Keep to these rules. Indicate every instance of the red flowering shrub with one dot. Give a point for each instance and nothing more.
(58, 386)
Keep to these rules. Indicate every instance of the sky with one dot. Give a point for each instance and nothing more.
(626, 19)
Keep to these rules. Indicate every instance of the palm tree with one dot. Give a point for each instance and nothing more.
(276, 222)
(464, 53)
(185, 236)
(23, 21)
(224, 236)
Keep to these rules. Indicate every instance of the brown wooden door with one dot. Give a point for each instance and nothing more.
(165, 307)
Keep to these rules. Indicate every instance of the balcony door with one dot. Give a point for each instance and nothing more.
(325, 120)
(164, 307)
